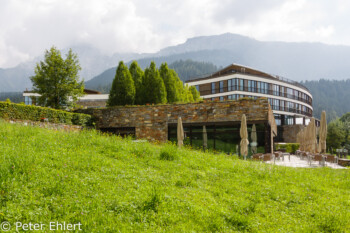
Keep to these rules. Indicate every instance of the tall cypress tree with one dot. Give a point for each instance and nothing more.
(137, 75)
(169, 81)
(123, 89)
(154, 89)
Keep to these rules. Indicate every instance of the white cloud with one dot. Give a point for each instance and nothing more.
(28, 27)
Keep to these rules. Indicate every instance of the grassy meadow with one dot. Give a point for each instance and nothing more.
(109, 184)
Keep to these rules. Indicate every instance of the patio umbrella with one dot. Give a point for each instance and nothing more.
(301, 140)
(322, 134)
(307, 137)
(244, 137)
(313, 139)
(254, 142)
(180, 133)
(205, 138)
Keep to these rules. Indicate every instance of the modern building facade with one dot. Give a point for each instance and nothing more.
(290, 101)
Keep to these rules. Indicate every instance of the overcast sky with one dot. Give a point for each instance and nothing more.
(28, 27)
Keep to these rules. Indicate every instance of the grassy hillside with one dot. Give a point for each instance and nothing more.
(110, 185)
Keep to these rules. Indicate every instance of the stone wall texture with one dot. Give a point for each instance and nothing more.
(151, 122)
(290, 132)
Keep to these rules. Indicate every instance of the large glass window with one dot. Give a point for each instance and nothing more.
(229, 85)
(213, 88)
(27, 100)
(276, 104)
(282, 105)
(266, 88)
(278, 119)
(221, 85)
(235, 86)
(276, 89)
(251, 86)
(220, 137)
(241, 84)
(258, 84)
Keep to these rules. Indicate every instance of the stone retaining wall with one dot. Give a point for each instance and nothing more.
(290, 132)
(344, 162)
(151, 122)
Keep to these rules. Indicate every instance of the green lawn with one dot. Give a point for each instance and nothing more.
(109, 184)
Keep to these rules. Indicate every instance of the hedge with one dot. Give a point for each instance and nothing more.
(35, 113)
(290, 147)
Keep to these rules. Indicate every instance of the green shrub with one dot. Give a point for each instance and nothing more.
(289, 147)
(168, 152)
(36, 113)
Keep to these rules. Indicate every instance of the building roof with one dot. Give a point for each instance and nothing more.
(236, 68)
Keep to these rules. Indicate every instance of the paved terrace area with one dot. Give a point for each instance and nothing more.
(295, 161)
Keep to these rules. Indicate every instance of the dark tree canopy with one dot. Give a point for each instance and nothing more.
(57, 80)
(123, 88)
(137, 75)
(154, 88)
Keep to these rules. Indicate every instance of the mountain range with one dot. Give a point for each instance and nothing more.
(296, 61)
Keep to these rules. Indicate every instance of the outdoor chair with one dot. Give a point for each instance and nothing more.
(279, 155)
(331, 158)
(303, 155)
(319, 158)
(257, 156)
(267, 157)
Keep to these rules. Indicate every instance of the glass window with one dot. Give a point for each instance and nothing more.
(276, 104)
(222, 98)
(229, 85)
(221, 84)
(258, 84)
(241, 85)
(197, 87)
(213, 88)
(276, 89)
(249, 85)
(266, 89)
(282, 105)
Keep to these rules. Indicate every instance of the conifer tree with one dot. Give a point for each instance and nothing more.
(195, 93)
(123, 88)
(137, 75)
(188, 94)
(154, 89)
(170, 83)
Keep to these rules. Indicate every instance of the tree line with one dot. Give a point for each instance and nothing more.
(330, 95)
(132, 85)
(338, 135)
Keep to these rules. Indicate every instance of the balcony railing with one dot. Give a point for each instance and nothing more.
(254, 90)
(293, 110)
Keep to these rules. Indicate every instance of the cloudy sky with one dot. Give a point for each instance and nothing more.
(28, 27)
